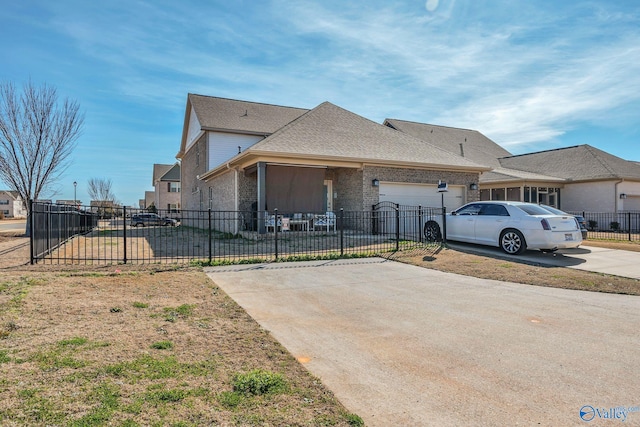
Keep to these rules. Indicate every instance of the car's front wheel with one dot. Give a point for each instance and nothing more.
(512, 242)
(432, 232)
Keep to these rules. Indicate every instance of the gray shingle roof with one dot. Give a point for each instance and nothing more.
(476, 147)
(333, 132)
(159, 170)
(578, 163)
(241, 116)
(512, 175)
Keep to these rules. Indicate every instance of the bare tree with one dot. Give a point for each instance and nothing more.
(37, 135)
(102, 195)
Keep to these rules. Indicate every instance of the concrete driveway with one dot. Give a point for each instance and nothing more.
(404, 345)
(589, 258)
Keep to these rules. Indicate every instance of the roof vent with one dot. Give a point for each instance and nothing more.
(246, 113)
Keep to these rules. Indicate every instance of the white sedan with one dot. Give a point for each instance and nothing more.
(511, 226)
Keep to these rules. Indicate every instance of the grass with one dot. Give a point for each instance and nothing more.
(213, 365)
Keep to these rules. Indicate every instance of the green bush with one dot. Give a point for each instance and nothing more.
(258, 382)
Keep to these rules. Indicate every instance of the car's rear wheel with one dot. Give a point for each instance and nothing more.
(432, 232)
(512, 242)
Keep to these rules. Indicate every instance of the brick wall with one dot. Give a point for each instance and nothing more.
(193, 163)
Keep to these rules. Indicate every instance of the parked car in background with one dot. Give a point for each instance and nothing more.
(581, 221)
(147, 219)
(511, 226)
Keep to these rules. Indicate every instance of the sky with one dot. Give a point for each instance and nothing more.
(530, 75)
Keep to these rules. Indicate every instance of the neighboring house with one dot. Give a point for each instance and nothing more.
(149, 200)
(593, 180)
(104, 208)
(11, 205)
(580, 178)
(166, 181)
(245, 156)
(69, 202)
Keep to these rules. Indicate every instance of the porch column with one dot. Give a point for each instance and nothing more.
(262, 195)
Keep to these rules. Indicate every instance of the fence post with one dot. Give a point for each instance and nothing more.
(444, 225)
(31, 242)
(341, 232)
(629, 224)
(374, 220)
(397, 226)
(420, 222)
(124, 231)
(210, 245)
(275, 231)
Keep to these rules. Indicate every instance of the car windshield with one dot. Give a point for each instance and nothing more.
(533, 209)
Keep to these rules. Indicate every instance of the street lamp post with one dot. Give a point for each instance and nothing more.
(75, 202)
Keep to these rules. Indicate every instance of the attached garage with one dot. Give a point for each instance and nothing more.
(422, 195)
(425, 195)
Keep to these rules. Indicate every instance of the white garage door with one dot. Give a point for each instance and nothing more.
(421, 195)
(425, 195)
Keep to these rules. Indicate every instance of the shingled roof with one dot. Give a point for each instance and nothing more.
(577, 163)
(503, 175)
(158, 171)
(241, 116)
(331, 132)
(470, 144)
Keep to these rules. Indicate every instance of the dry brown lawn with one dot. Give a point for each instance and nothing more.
(124, 346)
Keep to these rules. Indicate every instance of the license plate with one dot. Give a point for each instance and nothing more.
(568, 237)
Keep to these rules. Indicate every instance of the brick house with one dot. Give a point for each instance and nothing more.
(245, 156)
(167, 185)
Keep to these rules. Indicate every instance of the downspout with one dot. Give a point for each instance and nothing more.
(616, 195)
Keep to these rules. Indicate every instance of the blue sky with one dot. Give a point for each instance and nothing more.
(530, 75)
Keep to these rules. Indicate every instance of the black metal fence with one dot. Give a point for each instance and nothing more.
(125, 235)
(623, 225)
(53, 225)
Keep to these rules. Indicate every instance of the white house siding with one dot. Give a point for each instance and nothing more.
(631, 190)
(194, 128)
(589, 196)
(224, 146)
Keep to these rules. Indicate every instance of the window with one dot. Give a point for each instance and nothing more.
(472, 209)
(498, 194)
(494, 210)
(6, 213)
(4, 202)
(173, 187)
(173, 207)
(210, 197)
(197, 154)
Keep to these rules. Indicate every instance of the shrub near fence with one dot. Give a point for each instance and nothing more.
(612, 225)
(235, 236)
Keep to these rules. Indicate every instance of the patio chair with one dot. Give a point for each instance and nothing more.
(326, 221)
(270, 221)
